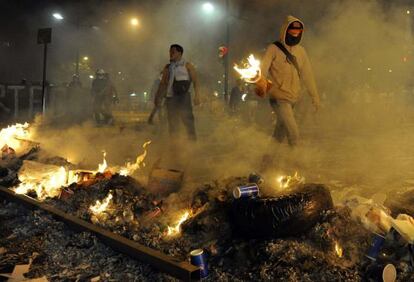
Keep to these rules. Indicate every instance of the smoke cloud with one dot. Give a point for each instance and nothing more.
(362, 58)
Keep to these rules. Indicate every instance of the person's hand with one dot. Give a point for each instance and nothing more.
(196, 100)
(316, 105)
(262, 86)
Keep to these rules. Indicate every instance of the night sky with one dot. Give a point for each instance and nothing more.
(21, 56)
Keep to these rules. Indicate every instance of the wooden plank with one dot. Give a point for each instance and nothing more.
(174, 267)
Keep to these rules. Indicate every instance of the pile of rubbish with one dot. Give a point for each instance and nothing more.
(240, 232)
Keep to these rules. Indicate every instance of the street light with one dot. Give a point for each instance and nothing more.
(134, 22)
(208, 7)
(58, 16)
(85, 58)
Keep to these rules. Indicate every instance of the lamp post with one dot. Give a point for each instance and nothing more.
(226, 57)
(209, 8)
(59, 17)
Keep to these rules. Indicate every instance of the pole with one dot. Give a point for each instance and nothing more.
(226, 57)
(44, 78)
(77, 47)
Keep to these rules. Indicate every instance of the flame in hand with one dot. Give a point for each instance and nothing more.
(250, 71)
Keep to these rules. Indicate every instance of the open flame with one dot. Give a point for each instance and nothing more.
(250, 71)
(176, 230)
(104, 165)
(48, 180)
(9, 136)
(286, 181)
(131, 168)
(338, 249)
(44, 183)
(101, 207)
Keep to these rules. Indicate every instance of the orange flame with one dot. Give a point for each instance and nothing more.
(9, 134)
(250, 71)
(46, 184)
(338, 249)
(104, 165)
(99, 206)
(286, 181)
(131, 168)
(176, 230)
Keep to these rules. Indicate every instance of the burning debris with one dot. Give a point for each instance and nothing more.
(253, 236)
(176, 230)
(11, 136)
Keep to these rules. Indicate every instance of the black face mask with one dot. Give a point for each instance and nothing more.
(292, 40)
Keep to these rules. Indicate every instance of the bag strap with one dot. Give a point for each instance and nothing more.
(291, 59)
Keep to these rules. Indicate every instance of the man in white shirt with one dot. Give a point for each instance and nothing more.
(175, 87)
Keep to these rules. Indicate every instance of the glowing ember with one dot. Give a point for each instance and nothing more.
(176, 230)
(131, 168)
(9, 136)
(250, 71)
(287, 181)
(338, 250)
(103, 166)
(99, 207)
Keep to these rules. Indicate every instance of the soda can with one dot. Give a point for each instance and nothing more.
(375, 247)
(381, 272)
(198, 258)
(246, 191)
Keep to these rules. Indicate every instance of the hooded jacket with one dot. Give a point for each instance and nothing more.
(283, 74)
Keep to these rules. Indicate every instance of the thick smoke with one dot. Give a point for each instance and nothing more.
(360, 51)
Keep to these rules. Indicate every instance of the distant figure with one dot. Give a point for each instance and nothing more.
(236, 96)
(103, 95)
(175, 87)
(285, 63)
(75, 100)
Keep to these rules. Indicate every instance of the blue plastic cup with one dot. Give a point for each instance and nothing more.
(198, 258)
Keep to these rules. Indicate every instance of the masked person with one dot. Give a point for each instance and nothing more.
(285, 64)
(175, 83)
(103, 95)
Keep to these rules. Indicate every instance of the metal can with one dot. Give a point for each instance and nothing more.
(376, 245)
(244, 191)
(381, 272)
(198, 258)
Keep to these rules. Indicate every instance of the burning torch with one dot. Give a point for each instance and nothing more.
(251, 73)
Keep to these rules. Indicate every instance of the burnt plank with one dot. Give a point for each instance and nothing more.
(174, 267)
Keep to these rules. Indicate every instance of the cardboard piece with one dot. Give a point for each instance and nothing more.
(165, 181)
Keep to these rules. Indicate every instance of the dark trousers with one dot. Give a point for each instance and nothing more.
(102, 109)
(180, 108)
